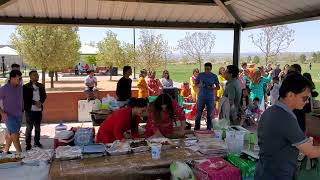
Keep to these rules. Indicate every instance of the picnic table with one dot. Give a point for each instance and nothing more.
(133, 166)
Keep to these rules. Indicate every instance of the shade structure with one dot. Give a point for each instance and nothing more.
(8, 51)
(88, 50)
(191, 14)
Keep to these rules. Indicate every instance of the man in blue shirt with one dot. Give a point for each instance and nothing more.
(207, 82)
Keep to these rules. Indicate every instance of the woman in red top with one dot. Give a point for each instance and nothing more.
(165, 117)
(121, 121)
(154, 85)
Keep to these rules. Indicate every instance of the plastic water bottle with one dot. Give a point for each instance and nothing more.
(60, 127)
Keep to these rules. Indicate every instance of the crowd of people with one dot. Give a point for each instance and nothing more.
(272, 98)
(240, 95)
(266, 97)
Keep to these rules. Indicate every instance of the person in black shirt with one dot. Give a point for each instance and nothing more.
(34, 95)
(124, 85)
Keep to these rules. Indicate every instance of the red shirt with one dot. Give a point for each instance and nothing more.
(154, 87)
(115, 125)
(166, 124)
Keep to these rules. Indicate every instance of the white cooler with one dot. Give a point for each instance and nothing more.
(85, 107)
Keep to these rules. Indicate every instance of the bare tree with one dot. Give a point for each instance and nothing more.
(272, 40)
(197, 45)
(152, 50)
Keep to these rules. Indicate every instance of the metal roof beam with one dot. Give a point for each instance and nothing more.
(228, 2)
(5, 3)
(182, 2)
(229, 12)
(116, 23)
(294, 18)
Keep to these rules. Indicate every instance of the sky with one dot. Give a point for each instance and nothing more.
(306, 36)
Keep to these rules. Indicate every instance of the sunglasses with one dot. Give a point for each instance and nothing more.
(305, 99)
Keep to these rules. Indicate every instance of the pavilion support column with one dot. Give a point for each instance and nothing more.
(236, 45)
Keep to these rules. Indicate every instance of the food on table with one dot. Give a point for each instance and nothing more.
(68, 152)
(136, 144)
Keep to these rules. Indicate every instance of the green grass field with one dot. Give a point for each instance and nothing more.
(182, 72)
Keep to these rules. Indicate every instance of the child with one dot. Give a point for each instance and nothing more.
(255, 110)
(274, 91)
(245, 100)
(186, 92)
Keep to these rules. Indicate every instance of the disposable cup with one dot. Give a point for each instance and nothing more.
(155, 151)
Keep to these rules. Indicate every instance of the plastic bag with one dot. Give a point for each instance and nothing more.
(180, 170)
(309, 169)
(221, 124)
(247, 167)
(235, 140)
(3, 131)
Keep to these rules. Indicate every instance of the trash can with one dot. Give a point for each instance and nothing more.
(114, 71)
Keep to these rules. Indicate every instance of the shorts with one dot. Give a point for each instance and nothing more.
(13, 124)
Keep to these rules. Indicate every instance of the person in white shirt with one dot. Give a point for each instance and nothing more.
(34, 96)
(166, 81)
(91, 84)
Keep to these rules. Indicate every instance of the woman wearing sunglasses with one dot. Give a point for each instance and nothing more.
(166, 81)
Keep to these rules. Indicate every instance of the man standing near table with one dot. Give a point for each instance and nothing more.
(11, 113)
(233, 90)
(34, 95)
(124, 86)
(279, 136)
(207, 83)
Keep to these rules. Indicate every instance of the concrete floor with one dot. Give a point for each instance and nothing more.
(47, 134)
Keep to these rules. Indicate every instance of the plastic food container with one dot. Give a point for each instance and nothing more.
(119, 148)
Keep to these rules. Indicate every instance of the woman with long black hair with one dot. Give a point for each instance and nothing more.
(122, 120)
(165, 118)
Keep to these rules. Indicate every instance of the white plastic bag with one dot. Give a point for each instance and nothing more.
(3, 131)
(180, 170)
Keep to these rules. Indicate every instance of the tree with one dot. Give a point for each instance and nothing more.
(51, 48)
(152, 50)
(197, 45)
(129, 55)
(110, 51)
(316, 57)
(303, 58)
(90, 59)
(256, 60)
(272, 40)
(166, 53)
(249, 59)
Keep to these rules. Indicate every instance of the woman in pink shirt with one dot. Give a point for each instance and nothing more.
(154, 85)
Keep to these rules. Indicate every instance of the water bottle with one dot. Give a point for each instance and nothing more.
(60, 127)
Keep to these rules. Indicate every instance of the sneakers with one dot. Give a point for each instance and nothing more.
(28, 147)
(38, 145)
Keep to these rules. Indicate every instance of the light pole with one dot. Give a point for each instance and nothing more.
(134, 48)
(3, 68)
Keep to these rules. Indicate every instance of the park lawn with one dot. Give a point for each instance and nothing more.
(183, 72)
